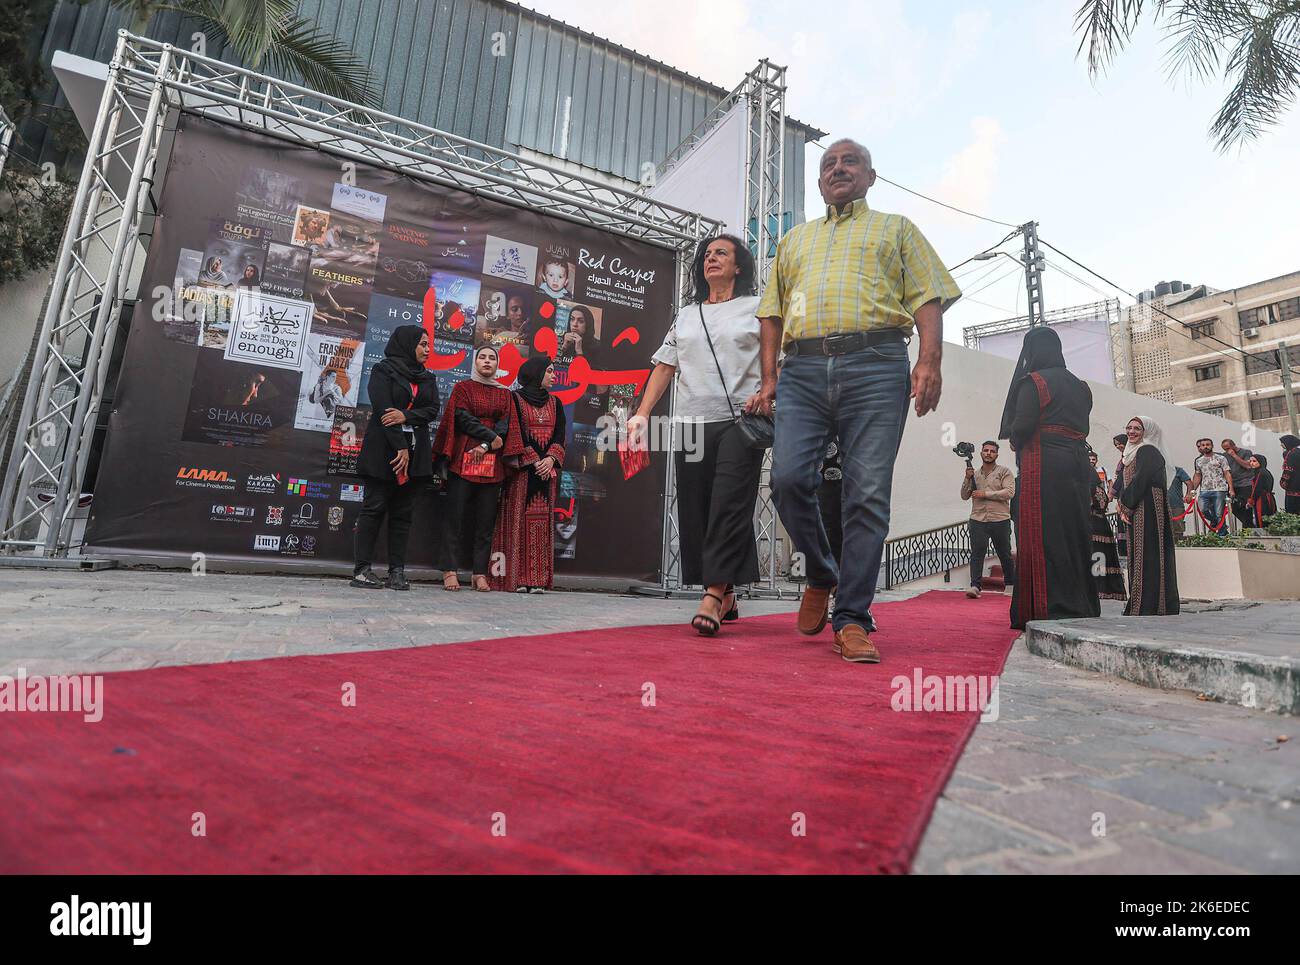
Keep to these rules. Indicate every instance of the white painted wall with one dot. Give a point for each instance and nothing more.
(927, 476)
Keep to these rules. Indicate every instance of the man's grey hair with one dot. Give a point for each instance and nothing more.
(862, 151)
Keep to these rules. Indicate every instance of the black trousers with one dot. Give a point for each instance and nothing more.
(471, 515)
(980, 534)
(384, 498)
(715, 507)
(1242, 511)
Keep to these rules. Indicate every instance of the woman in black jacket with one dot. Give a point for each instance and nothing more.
(395, 452)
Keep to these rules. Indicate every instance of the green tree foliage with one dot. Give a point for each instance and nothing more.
(1253, 45)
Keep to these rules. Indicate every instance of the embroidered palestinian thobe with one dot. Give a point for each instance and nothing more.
(525, 533)
(1046, 419)
(1153, 581)
(1105, 556)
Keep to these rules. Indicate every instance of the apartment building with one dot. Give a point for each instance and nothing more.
(1215, 351)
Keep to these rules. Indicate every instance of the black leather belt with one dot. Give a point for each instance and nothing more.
(844, 343)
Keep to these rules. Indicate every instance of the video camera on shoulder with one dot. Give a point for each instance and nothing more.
(965, 450)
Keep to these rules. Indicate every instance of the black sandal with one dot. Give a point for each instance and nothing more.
(705, 625)
(734, 613)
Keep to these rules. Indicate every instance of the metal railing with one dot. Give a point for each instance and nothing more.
(918, 555)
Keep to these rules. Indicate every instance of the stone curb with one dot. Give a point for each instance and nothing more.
(1218, 674)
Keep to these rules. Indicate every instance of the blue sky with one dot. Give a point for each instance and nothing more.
(986, 106)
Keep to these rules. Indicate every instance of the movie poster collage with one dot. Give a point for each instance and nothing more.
(295, 294)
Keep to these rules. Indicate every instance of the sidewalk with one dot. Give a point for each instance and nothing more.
(1236, 651)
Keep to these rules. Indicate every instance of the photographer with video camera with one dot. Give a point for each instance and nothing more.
(990, 490)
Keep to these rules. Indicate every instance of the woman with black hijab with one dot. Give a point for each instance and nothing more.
(1261, 504)
(476, 434)
(525, 533)
(1144, 508)
(1046, 420)
(395, 457)
(1290, 478)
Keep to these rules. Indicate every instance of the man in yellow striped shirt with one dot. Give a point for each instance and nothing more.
(846, 294)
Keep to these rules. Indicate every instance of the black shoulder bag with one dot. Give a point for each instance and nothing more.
(758, 431)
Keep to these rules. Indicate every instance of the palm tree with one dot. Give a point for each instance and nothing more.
(269, 35)
(1253, 44)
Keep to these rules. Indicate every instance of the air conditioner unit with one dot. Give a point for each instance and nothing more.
(1250, 333)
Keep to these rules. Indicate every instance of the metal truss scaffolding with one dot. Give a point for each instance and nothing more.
(763, 93)
(148, 83)
(1107, 310)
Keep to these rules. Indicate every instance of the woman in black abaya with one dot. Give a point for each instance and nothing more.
(1046, 420)
(1144, 508)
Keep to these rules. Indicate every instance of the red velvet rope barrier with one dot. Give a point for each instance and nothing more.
(1195, 504)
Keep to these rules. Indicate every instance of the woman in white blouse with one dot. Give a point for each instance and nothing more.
(717, 476)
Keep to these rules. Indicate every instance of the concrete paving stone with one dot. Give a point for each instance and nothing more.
(1010, 766)
(977, 834)
(1184, 743)
(1126, 856)
(1105, 754)
(971, 781)
(1165, 788)
(1276, 776)
(1262, 837)
(1066, 811)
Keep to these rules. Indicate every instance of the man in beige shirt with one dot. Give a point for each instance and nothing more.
(990, 515)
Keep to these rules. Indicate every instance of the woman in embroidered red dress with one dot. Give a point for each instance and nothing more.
(477, 433)
(525, 533)
(1046, 419)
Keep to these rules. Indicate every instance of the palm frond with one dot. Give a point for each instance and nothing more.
(324, 62)
(1265, 62)
(268, 35)
(1106, 26)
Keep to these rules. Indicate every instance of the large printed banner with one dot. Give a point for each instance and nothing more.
(274, 278)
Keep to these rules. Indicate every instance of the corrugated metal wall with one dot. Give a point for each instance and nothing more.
(553, 89)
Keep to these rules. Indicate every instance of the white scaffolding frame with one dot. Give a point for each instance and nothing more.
(147, 83)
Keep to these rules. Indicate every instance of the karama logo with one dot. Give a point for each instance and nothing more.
(267, 482)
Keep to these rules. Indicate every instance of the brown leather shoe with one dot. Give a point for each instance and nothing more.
(853, 643)
(814, 609)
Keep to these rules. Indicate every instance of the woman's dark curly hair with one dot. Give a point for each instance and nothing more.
(745, 280)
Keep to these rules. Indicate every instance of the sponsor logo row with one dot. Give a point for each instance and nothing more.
(267, 484)
(306, 516)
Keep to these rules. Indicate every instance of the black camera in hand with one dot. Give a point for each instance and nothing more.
(965, 450)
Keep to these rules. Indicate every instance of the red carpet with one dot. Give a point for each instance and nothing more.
(747, 729)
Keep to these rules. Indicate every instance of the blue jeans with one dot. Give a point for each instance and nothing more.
(1212, 503)
(861, 397)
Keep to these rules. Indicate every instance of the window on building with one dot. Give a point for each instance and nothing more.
(1270, 408)
(1203, 329)
(1282, 311)
(1206, 372)
(1257, 363)
(1220, 410)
